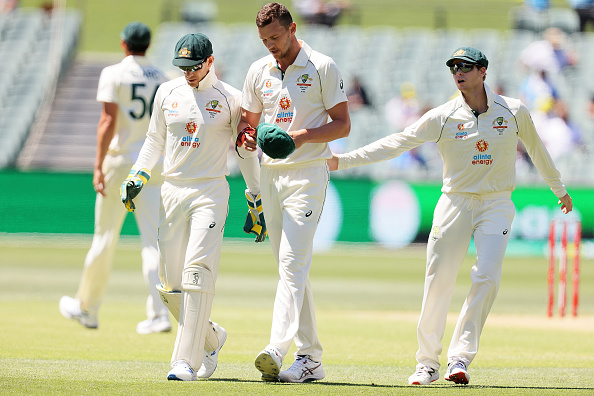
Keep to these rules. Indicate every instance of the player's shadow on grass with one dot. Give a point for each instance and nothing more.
(373, 385)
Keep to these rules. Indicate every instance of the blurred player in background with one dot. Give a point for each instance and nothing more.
(477, 135)
(193, 120)
(126, 90)
(297, 89)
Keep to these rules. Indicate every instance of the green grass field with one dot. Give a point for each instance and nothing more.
(367, 302)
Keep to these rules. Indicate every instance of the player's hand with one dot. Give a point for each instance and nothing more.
(254, 222)
(566, 203)
(247, 138)
(99, 182)
(299, 137)
(332, 162)
(131, 187)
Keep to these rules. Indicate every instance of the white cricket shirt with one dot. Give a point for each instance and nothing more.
(194, 126)
(478, 152)
(132, 85)
(296, 99)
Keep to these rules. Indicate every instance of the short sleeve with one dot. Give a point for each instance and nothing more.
(107, 91)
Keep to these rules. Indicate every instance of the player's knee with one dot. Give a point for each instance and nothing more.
(197, 278)
(489, 283)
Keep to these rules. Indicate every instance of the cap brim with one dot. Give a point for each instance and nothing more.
(185, 62)
(450, 62)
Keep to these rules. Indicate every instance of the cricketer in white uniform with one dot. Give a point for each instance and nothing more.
(193, 121)
(126, 90)
(297, 89)
(477, 136)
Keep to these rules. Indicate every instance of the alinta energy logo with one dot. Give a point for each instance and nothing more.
(284, 116)
(462, 134)
(213, 108)
(304, 81)
(191, 127)
(174, 112)
(482, 159)
(482, 145)
(268, 91)
(285, 103)
(191, 141)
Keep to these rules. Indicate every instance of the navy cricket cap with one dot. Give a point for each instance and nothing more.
(469, 54)
(136, 33)
(191, 50)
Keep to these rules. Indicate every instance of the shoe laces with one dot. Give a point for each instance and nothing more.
(457, 364)
(300, 365)
(425, 369)
(184, 365)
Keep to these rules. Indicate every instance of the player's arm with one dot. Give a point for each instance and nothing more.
(566, 203)
(338, 128)
(541, 158)
(105, 132)
(149, 155)
(250, 169)
(426, 129)
(248, 120)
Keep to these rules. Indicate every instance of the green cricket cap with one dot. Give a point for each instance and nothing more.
(191, 50)
(468, 54)
(136, 33)
(274, 141)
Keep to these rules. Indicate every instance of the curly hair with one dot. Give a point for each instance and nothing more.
(271, 12)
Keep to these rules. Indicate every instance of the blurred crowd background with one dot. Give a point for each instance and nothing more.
(51, 54)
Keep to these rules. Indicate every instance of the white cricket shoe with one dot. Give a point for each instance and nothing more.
(160, 324)
(303, 370)
(423, 376)
(269, 362)
(181, 371)
(457, 373)
(70, 309)
(209, 363)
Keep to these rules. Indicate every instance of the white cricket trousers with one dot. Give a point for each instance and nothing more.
(293, 199)
(457, 218)
(110, 213)
(191, 228)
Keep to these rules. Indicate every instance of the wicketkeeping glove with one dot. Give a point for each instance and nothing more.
(131, 187)
(241, 138)
(254, 223)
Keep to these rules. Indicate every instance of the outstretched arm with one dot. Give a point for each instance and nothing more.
(332, 162)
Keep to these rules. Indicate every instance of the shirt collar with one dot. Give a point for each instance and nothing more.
(141, 60)
(302, 57)
(208, 81)
(490, 98)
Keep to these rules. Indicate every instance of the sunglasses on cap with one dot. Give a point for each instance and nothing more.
(463, 67)
(192, 69)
